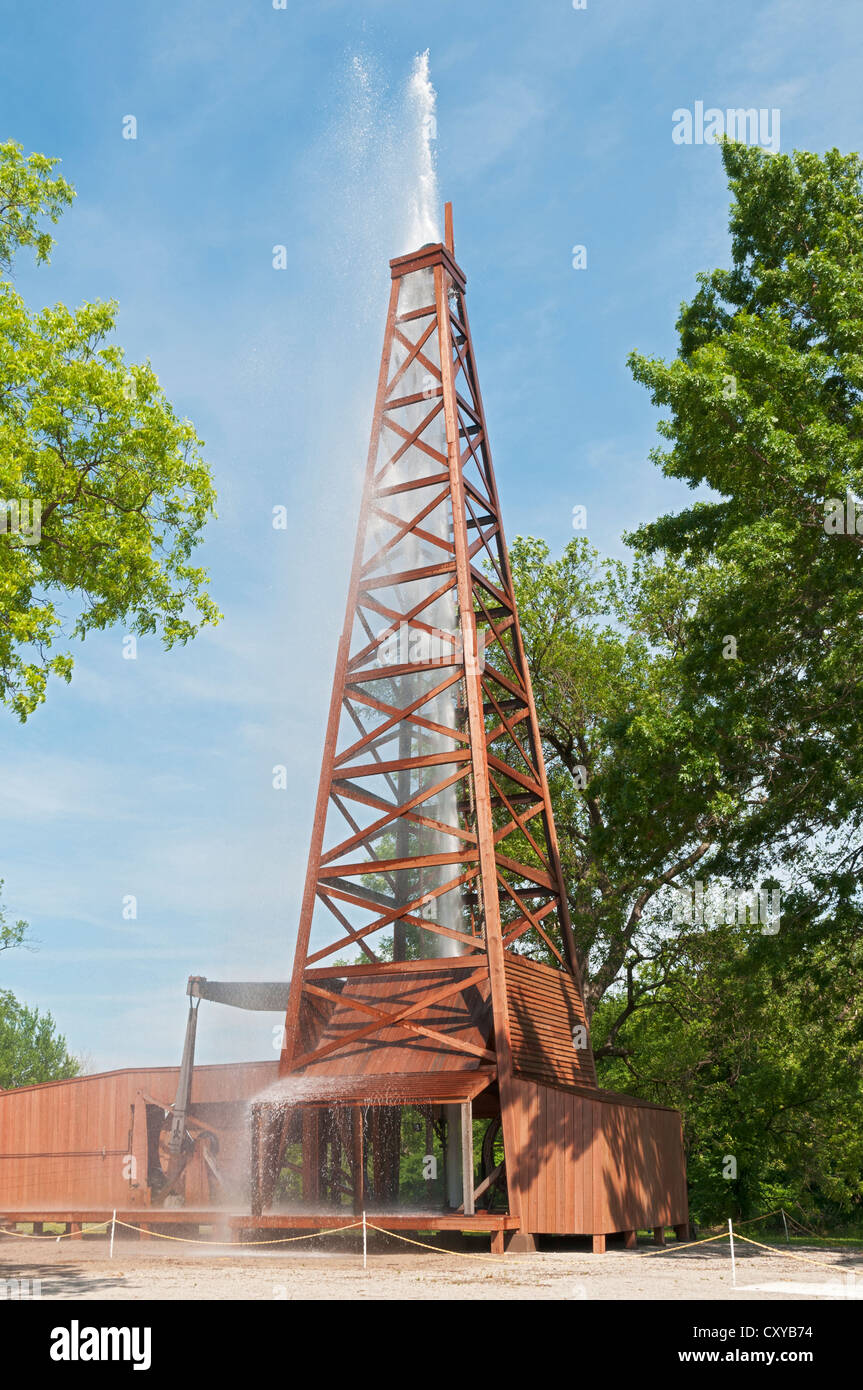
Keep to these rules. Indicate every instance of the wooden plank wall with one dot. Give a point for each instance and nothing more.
(590, 1165)
(544, 1008)
(63, 1144)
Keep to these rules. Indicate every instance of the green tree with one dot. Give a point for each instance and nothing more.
(765, 410)
(639, 805)
(762, 1050)
(31, 1049)
(106, 484)
(12, 934)
(757, 1038)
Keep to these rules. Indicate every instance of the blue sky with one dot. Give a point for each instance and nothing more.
(259, 127)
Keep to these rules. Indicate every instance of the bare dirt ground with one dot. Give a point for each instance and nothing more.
(81, 1269)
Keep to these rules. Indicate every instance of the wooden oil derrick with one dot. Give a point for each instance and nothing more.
(433, 866)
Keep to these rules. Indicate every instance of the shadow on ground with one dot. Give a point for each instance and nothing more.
(56, 1281)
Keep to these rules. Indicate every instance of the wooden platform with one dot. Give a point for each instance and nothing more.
(135, 1216)
(388, 1221)
(229, 1227)
(483, 1223)
(143, 1217)
(237, 1222)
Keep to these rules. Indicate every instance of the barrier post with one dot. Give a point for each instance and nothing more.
(365, 1243)
(733, 1264)
(113, 1228)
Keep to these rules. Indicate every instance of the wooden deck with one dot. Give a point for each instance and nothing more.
(143, 1218)
(388, 1221)
(483, 1223)
(229, 1227)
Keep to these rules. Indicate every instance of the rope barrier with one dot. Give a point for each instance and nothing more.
(184, 1240)
(408, 1240)
(690, 1244)
(801, 1227)
(64, 1235)
(463, 1254)
(282, 1240)
(786, 1254)
(752, 1219)
(723, 1235)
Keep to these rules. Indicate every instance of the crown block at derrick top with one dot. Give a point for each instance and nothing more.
(424, 259)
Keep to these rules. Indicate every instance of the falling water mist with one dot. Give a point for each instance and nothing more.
(373, 195)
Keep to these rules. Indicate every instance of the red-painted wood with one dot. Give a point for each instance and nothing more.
(65, 1143)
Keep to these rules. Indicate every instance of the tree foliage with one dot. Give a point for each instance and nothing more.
(766, 410)
(758, 1042)
(12, 934)
(31, 1049)
(110, 479)
(639, 804)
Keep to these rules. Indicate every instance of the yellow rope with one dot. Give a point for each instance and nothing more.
(786, 1254)
(672, 1249)
(463, 1254)
(282, 1240)
(64, 1235)
(753, 1219)
(801, 1227)
(185, 1240)
(423, 1245)
(723, 1235)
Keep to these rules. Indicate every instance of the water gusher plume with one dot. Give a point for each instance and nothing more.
(423, 225)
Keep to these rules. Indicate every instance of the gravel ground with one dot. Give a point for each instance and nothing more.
(81, 1269)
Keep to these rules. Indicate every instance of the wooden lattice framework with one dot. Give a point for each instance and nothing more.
(433, 856)
(429, 453)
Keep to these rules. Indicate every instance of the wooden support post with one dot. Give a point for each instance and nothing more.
(682, 1231)
(467, 1157)
(659, 1235)
(378, 1185)
(384, 1133)
(145, 1233)
(599, 1245)
(311, 1156)
(520, 1243)
(357, 1159)
(497, 1242)
(335, 1168)
(255, 1161)
(38, 1227)
(630, 1239)
(74, 1230)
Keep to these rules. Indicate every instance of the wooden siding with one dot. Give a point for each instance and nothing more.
(544, 1008)
(64, 1143)
(463, 1015)
(593, 1164)
(394, 1088)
